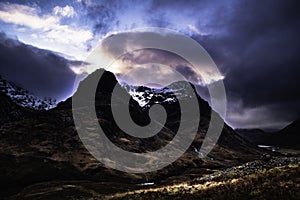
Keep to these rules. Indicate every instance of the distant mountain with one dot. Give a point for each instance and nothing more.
(44, 146)
(252, 135)
(291, 129)
(146, 96)
(288, 137)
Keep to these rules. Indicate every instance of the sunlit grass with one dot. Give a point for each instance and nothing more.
(278, 182)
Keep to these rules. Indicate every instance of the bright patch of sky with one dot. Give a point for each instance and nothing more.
(67, 27)
(57, 30)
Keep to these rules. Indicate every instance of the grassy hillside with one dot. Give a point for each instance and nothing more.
(243, 182)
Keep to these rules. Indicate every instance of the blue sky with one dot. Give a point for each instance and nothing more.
(48, 26)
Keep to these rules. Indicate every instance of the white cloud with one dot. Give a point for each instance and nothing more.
(26, 16)
(22, 8)
(195, 29)
(34, 35)
(67, 11)
(48, 29)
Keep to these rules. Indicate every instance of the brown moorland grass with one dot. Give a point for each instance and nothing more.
(275, 183)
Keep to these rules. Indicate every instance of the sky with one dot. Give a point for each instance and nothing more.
(255, 45)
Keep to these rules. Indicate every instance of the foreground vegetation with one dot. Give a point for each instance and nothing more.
(236, 183)
(268, 178)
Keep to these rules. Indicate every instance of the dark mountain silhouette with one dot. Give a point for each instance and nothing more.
(291, 129)
(288, 137)
(43, 146)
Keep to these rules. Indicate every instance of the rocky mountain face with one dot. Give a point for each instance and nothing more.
(23, 97)
(37, 148)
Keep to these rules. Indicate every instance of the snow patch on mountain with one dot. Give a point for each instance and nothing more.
(25, 98)
(147, 96)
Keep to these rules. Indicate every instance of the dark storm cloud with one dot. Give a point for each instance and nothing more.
(259, 53)
(39, 71)
(207, 13)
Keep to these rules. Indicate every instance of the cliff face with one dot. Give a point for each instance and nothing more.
(44, 146)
